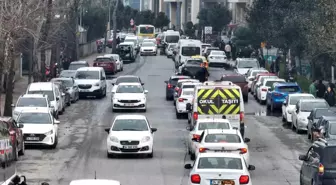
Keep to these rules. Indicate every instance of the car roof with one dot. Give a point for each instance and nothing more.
(37, 110)
(102, 56)
(312, 100)
(130, 116)
(68, 79)
(111, 55)
(329, 118)
(94, 181)
(79, 62)
(287, 84)
(299, 94)
(130, 83)
(246, 59)
(187, 80)
(90, 69)
(176, 77)
(221, 131)
(40, 86)
(33, 96)
(191, 83)
(220, 154)
(209, 120)
(68, 71)
(127, 76)
(275, 79)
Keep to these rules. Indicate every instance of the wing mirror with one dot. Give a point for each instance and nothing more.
(146, 91)
(247, 140)
(107, 130)
(251, 167)
(20, 125)
(12, 105)
(190, 128)
(153, 129)
(57, 98)
(303, 157)
(187, 166)
(188, 106)
(56, 121)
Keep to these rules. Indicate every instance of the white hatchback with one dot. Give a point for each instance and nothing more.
(130, 134)
(264, 88)
(289, 105)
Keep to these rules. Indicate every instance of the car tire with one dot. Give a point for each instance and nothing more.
(272, 107)
(174, 103)
(178, 115)
(283, 119)
(245, 99)
(167, 98)
(144, 110)
(297, 130)
(60, 112)
(114, 110)
(151, 155)
(262, 102)
(22, 151)
(122, 68)
(69, 102)
(192, 156)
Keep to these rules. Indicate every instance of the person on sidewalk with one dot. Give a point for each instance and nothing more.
(321, 89)
(312, 88)
(329, 96)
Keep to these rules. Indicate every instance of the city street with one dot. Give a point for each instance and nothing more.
(81, 152)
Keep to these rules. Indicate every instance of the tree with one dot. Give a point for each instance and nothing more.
(244, 37)
(146, 17)
(189, 29)
(161, 20)
(217, 17)
(115, 11)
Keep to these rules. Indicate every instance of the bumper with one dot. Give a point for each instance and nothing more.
(181, 107)
(170, 93)
(142, 148)
(148, 53)
(48, 140)
(278, 102)
(120, 106)
(263, 95)
(302, 125)
(109, 70)
(90, 92)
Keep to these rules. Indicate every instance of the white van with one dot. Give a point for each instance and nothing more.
(52, 91)
(91, 81)
(186, 48)
(171, 36)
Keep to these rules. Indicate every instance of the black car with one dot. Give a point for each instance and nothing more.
(319, 164)
(315, 116)
(190, 70)
(171, 84)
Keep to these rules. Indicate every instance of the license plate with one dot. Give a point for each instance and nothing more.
(129, 104)
(225, 151)
(84, 90)
(129, 147)
(32, 138)
(222, 182)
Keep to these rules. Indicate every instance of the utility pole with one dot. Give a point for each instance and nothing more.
(114, 41)
(108, 24)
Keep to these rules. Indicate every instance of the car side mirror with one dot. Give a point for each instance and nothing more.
(190, 128)
(251, 167)
(20, 125)
(166, 81)
(195, 139)
(303, 157)
(57, 122)
(12, 105)
(246, 140)
(142, 83)
(57, 98)
(187, 166)
(153, 129)
(146, 91)
(107, 130)
(188, 106)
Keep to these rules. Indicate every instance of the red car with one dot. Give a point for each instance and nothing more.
(108, 63)
(239, 80)
(257, 79)
(15, 135)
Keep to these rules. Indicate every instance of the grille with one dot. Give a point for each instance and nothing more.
(129, 142)
(40, 136)
(129, 150)
(129, 101)
(84, 86)
(148, 50)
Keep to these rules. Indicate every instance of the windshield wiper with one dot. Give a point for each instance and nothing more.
(131, 129)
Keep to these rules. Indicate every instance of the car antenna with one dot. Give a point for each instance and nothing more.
(95, 177)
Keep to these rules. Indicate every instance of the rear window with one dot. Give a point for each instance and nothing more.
(220, 163)
(195, 62)
(329, 156)
(219, 65)
(270, 83)
(294, 99)
(174, 81)
(234, 79)
(127, 80)
(188, 93)
(188, 86)
(289, 89)
(217, 53)
(222, 138)
(308, 106)
(103, 60)
(213, 125)
(324, 112)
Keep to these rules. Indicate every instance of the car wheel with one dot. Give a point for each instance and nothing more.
(283, 118)
(297, 130)
(192, 156)
(122, 68)
(22, 151)
(109, 155)
(60, 112)
(167, 98)
(69, 102)
(144, 110)
(151, 155)
(174, 103)
(16, 153)
(178, 115)
(272, 107)
(245, 99)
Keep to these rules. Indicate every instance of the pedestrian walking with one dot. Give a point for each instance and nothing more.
(202, 75)
(312, 88)
(329, 96)
(228, 50)
(320, 89)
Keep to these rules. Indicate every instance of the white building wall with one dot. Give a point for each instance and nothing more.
(195, 5)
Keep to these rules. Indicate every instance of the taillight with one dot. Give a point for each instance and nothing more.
(321, 169)
(195, 116)
(264, 89)
(241, 117)
(195, 136)
(243, 150)
(169, 86)
(202, 150)
(181, 99)
(195, 179)
(244, 179)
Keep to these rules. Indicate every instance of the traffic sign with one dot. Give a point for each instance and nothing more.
(208, 30)
(131, 22)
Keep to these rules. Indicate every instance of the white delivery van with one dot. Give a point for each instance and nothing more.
(186, 48)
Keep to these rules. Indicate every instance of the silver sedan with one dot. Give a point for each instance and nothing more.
(71, 88)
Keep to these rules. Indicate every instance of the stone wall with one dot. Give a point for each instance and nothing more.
(87, 49)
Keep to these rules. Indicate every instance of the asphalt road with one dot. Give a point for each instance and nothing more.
(82, 141)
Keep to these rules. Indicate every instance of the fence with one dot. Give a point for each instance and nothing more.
(87, 49)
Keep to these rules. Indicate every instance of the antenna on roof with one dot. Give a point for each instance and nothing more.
(95, 177)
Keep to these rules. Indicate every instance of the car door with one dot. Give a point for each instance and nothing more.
(284, 106)
(197, 144)
(191, 133)
(103, 77)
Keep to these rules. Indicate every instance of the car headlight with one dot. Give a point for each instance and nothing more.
(49, 133)
(97, 84)
(114, 139)
(145, 139)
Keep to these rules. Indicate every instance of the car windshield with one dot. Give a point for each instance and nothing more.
(195, 62)
(68, 73)
(289, 89)
(308, 106)
(220, 163)
(87, 75)
(50, 94)
(324, 112)
(188, 92)
(222, 138)
(130, 125)
(190, 50)
(234, 79)
(66, 83)
(294, 99)
(217, 53)
(269, 83)
(213, 125)
(127, 80)
(148, 44)
(172, 38)
(129, 89)
(188, 86)
(34, 118)
(76, 66)
(32, 102)
(219, 65)
(248, 64)
(175, 80)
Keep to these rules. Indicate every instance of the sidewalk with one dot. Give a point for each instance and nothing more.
(21, 85)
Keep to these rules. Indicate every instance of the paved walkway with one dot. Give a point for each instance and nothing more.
(21, 85)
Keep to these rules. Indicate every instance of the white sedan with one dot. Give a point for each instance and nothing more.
(263, 89)
(119, 62)
(125, 79)
(201, 125)
(220, 140)
(186, 96)
(39, 127)
(148, 48)
(289, 105)
(130, 134)
(129, 96)
(216, 56)
(219, 169)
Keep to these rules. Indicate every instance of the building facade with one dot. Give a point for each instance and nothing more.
(140, 5)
